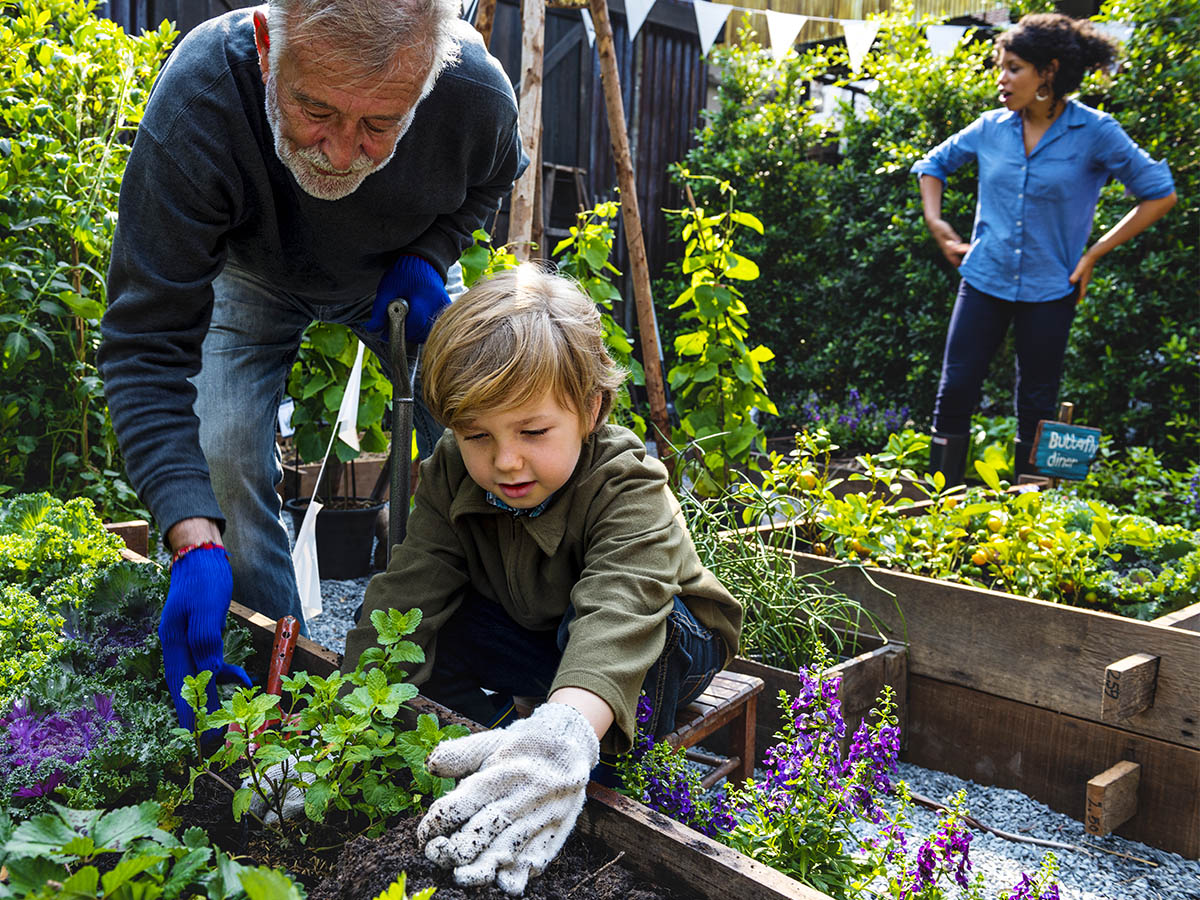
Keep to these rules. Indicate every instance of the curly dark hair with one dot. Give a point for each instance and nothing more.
(1079, 48)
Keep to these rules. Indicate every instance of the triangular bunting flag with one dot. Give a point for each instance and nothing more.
(860, 36)
(304, 560)
(635, 14)
(782, 29)
(347, 420)
(588, 27)
(944, 38)
(710, 19)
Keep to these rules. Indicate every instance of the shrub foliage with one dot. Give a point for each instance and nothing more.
(853, 292)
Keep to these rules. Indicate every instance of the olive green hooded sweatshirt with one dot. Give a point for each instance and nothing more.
(612, 541)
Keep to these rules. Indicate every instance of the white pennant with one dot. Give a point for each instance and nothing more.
(347, 420)
(860, 36)
(304, 561)
(944, 38)
(635, 14)
(782, 29)
(588, 27)
(710, 19)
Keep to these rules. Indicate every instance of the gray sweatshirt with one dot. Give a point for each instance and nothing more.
(204, 186)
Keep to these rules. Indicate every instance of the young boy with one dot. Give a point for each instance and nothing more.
(550, 560)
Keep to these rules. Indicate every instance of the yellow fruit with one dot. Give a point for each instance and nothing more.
(995, 523)
(951, 502)
(819, 549)
(980, 557)
(808, 479)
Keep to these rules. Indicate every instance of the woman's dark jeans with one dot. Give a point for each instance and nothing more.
(481, 647)
(977, 327)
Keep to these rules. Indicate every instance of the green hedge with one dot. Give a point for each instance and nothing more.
(853, 292)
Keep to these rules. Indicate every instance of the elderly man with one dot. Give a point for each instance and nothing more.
(313, 159)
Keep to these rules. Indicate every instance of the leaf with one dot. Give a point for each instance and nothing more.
(185, 871)
(316, 800)
(988, 473)
(267, 884)
(242, 798)
(117, 828)
(748, 219)
(128, 868)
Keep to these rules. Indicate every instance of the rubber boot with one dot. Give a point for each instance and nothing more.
(948, 455)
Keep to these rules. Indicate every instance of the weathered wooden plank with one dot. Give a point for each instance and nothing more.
(1112, 797)
(996, 741)
(1032, 651)
(135, 533)
(1188, 618)
(679, 858)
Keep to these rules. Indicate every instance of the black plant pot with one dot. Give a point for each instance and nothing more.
(345, 537)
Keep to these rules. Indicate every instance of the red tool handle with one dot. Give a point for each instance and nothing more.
(287, 630)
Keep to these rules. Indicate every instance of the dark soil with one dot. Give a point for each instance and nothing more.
(367, 867)
(345, 867)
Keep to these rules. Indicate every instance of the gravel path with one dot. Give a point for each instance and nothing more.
(1139, 873)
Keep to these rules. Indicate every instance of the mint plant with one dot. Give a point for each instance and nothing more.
(719, 384)
(334, 740)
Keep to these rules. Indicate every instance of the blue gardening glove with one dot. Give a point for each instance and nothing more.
(193, 619)
(414, 280)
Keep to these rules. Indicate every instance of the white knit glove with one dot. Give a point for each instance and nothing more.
(293, 798)
(509, 820)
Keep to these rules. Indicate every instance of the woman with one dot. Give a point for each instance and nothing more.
(1043, 158)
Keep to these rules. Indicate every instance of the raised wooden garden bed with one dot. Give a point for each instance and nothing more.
(1047, 699)
(654, 846)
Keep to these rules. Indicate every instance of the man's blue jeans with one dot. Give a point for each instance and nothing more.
(247, 354)
(977, 327)
(481, 647)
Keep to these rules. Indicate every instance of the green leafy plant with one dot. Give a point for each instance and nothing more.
(788, 618)
(584, 257)
(719, 382)
(482, 259)
(317, 384)
(1048, 545)
(122, 854)
(334, 739)
(1136, 480)
(862, 298)
(72, 91)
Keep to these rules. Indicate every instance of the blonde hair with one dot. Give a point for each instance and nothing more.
(511, 339)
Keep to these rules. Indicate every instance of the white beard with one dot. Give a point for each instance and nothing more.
(304, 162)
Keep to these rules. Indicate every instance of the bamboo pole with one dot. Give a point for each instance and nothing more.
(485, 16)
(639, 267)
(533, 36)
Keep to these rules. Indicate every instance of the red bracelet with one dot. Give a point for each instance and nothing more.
(184, 551)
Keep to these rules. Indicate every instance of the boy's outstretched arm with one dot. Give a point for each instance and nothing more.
(524, 787)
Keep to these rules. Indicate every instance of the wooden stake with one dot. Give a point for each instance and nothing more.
(533, 37)
(639, 267)
(1129, 686)
(1112, 797)
(485, 15)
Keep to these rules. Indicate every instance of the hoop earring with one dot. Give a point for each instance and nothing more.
(1038, 96)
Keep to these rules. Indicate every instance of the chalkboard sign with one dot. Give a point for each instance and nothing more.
(1065, 451)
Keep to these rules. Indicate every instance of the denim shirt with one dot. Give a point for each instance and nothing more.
(1034, 213)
